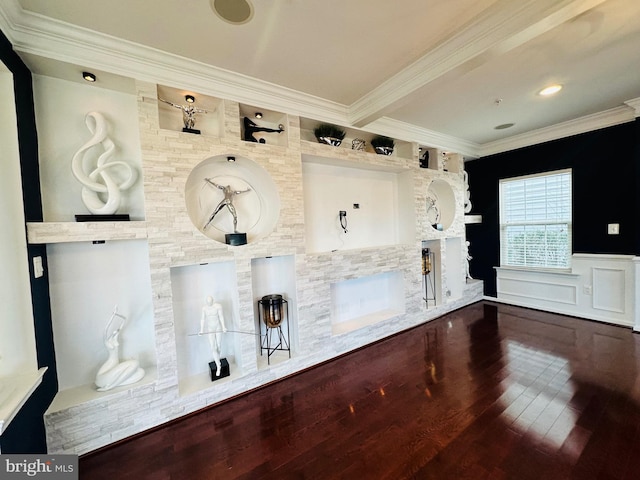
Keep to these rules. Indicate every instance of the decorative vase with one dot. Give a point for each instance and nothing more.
(383, 150)
(333, 141)
(272, 310)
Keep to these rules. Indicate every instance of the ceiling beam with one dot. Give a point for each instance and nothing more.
(504, 26)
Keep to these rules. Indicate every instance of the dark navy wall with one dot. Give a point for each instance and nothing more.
(605, 190)
(26, 432)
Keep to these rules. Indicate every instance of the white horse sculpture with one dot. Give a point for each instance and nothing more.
(113, 372)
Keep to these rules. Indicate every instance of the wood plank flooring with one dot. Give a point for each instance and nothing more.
(486, 392)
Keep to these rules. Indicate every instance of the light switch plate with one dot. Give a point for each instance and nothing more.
(613, 229)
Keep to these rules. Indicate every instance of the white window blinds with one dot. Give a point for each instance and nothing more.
(535, 220)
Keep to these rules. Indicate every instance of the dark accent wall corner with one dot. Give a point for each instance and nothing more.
(26, 433)
(606, 176)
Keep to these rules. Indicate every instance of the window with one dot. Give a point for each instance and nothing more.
(535, 220)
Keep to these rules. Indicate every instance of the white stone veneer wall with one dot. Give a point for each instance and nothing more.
(168, 158)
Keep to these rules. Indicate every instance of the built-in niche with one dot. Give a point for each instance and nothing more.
(454, 268)
(87, 281)
(436, 159)
(377, 205)
(354, 139)
(359, 302)
(275, 276)
(260, 125)
(446, 281)
(207, 112)
(63, 129)
(255, 203)
(441, 204)
(190, 287)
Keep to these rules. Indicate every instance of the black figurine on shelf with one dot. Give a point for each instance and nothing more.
(250, 128)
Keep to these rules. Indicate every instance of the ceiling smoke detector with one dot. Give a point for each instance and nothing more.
(236, 12)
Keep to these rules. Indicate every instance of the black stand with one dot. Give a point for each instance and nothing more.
(267, 342)
(124, 217)
(235, 238)
(428, 274)
(191, 130)
(224, 369)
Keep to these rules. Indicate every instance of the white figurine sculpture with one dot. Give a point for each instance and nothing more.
(100, 181)
(467, 193)
(212, 325)
(113, 372)
(466, 261)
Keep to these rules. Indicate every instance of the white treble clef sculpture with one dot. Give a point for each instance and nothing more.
(100, 181)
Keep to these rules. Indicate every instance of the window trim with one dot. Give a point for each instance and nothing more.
(502, 225)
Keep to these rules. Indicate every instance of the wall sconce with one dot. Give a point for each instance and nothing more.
(89, 77)
(190, 98)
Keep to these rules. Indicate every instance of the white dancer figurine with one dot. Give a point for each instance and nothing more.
(113, 372)
(100, 181)
(212, 325)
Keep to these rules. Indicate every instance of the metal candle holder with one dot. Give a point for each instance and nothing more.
(274, 312)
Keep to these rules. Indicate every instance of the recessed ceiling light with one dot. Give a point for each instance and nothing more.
(190, 98)
(504, 126)
(258, 115)
(550, 90)
(89, 77)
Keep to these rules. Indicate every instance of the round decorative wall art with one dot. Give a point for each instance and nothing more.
(231, 199)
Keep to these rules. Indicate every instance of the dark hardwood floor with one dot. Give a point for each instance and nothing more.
(487, 392)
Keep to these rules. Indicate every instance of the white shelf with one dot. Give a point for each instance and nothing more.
(71, 397)
(14, 392)
(202, 381)
(364, 321)
(65, 232)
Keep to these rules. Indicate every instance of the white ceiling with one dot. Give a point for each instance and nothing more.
(445, 71)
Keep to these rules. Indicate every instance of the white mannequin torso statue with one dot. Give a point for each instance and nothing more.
(212, 325)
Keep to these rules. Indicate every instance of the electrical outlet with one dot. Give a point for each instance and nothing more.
(587, 290)
(38, 268)
(613, 229)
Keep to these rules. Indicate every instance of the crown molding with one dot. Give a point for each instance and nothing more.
(500, 28)
(35, 34)
(635, 104)
(411, 133)
(588, 123)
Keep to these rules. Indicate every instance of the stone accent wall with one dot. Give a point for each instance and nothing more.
(168, 158)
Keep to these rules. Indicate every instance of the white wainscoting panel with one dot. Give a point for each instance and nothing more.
(609, 289)
(597, 287)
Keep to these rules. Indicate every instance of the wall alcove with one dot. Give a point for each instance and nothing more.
(256, 201)
(441, 204)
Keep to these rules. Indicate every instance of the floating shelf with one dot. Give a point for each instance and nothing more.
(65, 232)
(472, 219)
